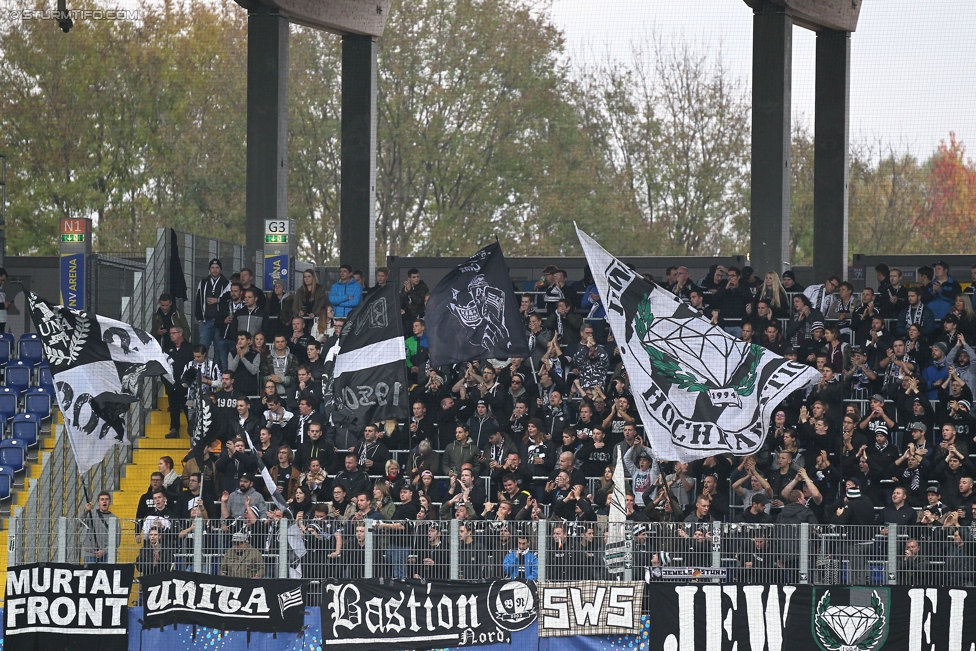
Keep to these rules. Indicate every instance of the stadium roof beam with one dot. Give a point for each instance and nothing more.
(360, 23)
(773, 21)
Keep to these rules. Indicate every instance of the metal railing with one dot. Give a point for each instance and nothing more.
(316, 550)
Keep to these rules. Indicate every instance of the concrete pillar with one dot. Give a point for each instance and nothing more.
(357, 210)
(831, 160)
(772, 51)
(267, 122)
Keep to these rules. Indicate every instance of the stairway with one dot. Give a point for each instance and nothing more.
(145, 459)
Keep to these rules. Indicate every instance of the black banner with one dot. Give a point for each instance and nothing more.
(268, 605)
(473, 314)
(815, 618)
(385, 615)
(55, 607)
(370, 381)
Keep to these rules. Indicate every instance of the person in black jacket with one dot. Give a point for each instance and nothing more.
(316, 447)
(730, 303)
(226, 326)
(181, 353)
(854, 509)
(234, 462)
(206, 303)
(400, 530)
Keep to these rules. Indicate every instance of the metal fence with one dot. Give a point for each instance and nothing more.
(316, 550)
(195, 254)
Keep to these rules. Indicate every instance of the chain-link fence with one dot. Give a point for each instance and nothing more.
(316, 549)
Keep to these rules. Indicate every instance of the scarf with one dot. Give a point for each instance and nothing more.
(913, 315)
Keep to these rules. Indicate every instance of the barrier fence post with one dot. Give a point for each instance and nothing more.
(282, 548)
(368, 565)
(62, 540)
(892, 554)
(717, 547)
(543, 539)
(804, 553)
(455, 552)
(113, 536)
(198, 546)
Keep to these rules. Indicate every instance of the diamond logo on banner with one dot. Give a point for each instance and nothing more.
(700, 345)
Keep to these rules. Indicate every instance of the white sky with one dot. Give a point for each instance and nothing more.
(913, 63)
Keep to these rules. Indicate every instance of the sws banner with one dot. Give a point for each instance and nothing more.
(268, 605)
(590, 608)
(822, 618)
(380, 614)
(55, 607)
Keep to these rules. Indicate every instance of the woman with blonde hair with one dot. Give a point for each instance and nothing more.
(967, 316)
(772, 292)
(310, 297)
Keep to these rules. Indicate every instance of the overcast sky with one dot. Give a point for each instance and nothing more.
(913, 63)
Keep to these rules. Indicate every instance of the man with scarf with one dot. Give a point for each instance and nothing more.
(371, 452)
(206, 304)
(896, 364)
(822, 296)
(915, 313)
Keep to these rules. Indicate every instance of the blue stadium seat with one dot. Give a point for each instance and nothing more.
(9, 337)
(45, 379)
(29, 349)
(18, 376)
(9, 402)
(5, 349)
(6, 482)
(37, 402)
(13, 453)
(26, 428)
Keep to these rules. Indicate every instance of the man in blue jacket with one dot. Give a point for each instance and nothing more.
(345, 294)
(521, 563)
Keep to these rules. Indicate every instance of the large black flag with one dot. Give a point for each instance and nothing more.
(177, 281)
(473, 314)
(370, 377)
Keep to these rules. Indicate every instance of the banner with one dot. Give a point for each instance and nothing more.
(590, 608)
(619, 552)
(385, 615)
(699, 390)
(808, 618)
(473, 313)
(96, 363)
(269, 605)
(370, 382)
(685, 573)
(55, 607)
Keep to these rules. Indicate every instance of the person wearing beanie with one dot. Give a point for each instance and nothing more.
(206, 303)
(790, 284)
(883, 454)
(855, 509)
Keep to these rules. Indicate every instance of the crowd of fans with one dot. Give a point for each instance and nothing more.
(504, 445)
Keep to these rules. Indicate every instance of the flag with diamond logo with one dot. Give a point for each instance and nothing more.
(699, 390)
(854, 619)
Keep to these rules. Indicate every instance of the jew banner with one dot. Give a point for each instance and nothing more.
(60, 607)
(96, 363)
(699, 390)
(590, 608)
(268, 605)
(370, 381)
(807, 618)
(385, 615)
(473, 314)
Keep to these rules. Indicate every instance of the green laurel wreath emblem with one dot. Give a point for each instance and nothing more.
(673, 372)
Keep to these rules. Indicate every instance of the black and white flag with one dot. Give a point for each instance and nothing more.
(473, 313)
(699, 390)
(96, 363)
(222, 602)
(370, 376)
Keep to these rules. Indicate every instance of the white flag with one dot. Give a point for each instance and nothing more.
(699, 390)
(619, 549)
